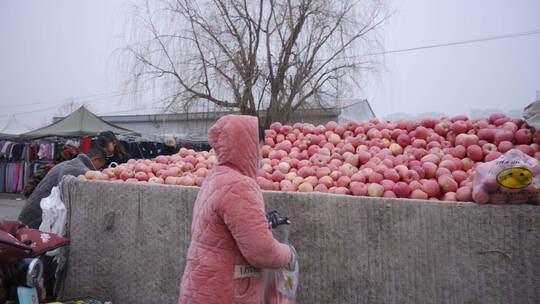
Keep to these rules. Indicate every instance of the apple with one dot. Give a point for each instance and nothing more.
(503, 135)
(487, 134)
(391, 174)
(442, 128)
(418, 194)
(284, 167)
(447, 183)
(305, 187)
(162, 159)
(201, 172)
(141, 176)
(174, 171)
(156, 180)
(198, 181)
(389, 194)
(359, 189)
(467, 164)
(493, 156)
(287, 185)
(375, 190)
(450, 197)
(466, 140)
(334, 139)
(128, 173)
(510, 126)
(188, 167)
(263, 183)
(342, 190)
(505, 146)
(459, 151)
(343, 181)
(495, 117)
(410, 175)
(459, 127)
(430, 169)
(403, 140)
(278, 176)
(501, 121)
(401, 189)
(320, 188)
(526, 149)
(91, 175)
(375, 177)
(102, 176)
(171, 180)
(331, 125)
(431, 158)
(420, 170)
(327, 181)
(448, 164)
(431, 188)
(459, 176)
(421, 132)
(313, 180)
(305, 171)
(475, 153)
(464, 194)
(489, 148)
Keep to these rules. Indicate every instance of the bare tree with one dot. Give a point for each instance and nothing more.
(266, 58)
(67, 108)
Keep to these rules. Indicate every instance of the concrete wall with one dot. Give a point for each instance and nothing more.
(129, 243)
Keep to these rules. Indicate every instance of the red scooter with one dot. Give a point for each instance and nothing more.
(22, 253)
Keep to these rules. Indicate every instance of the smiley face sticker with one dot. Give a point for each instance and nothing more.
(515, 178)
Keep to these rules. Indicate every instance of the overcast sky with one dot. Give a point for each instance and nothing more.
(55, 50)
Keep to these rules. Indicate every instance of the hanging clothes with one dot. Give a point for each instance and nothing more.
(86, 143)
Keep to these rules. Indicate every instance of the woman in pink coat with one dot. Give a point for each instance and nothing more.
(230, 240)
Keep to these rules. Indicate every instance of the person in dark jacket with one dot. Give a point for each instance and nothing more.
(68, 153)
(93, 159)
(115, 150)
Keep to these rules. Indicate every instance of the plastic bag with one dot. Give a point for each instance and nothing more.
(53, 213)
(513, 178)
(53, 220)
(280, 285)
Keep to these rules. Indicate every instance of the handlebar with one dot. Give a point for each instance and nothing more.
(274, 220)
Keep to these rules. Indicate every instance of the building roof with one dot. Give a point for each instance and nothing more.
(154, 115)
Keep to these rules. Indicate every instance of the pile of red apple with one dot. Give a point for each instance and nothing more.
(419, 159)
(186, 168)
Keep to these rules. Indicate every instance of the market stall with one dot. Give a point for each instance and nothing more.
(22, 153)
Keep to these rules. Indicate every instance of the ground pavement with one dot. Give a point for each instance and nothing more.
(10, 206)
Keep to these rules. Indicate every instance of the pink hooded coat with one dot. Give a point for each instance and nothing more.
(229, 225)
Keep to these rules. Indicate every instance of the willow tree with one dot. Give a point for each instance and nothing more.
(265, 58)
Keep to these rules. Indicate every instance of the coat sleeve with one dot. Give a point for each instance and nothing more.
(246, 220)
